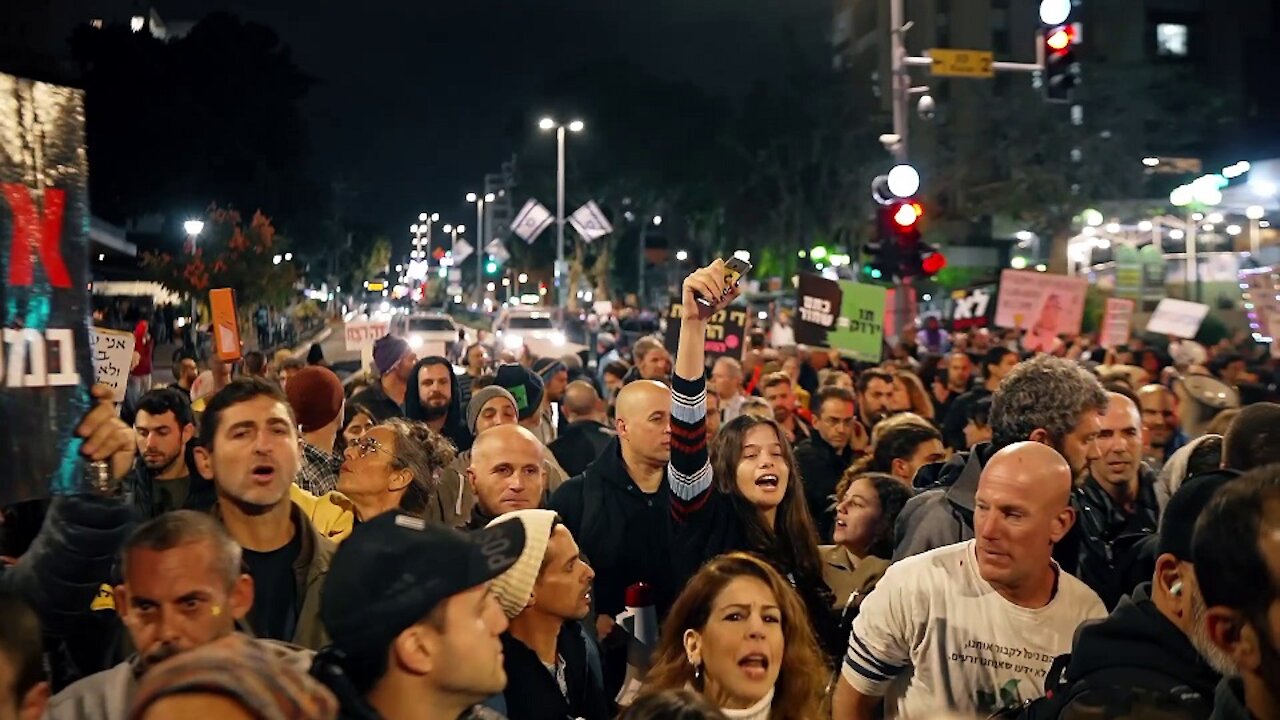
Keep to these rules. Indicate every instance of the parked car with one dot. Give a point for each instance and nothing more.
(515, 330)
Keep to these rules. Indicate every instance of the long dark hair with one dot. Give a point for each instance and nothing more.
(893, 496)
(793, 540)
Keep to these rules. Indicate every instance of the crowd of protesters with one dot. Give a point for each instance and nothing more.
(965, 530)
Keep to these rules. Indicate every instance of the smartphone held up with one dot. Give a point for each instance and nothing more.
(735, 269)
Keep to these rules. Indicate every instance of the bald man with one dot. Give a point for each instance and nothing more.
(618, 508)
(1161, 433)
(586, 435)
(974, 627)
(507, 473)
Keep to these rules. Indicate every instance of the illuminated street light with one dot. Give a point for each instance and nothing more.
(1234, 230)
(523, 277)
(288, 257)
(471, 197)
(657, 219)
(1145, 226)
(682, 255)
(904, 181)
(193, 227)
(1255, 212)
(545, 123)
(576, 126)
(422, 217)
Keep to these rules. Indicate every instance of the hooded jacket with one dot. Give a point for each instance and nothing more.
(1133, 658)
(942, 512)
(455, 420)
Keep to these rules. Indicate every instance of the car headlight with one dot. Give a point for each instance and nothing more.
(415, 341)
(557, 338)
(512, 342)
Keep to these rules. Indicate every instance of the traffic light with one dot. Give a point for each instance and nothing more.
(898, 250)
(1059, 35)
(491, 267)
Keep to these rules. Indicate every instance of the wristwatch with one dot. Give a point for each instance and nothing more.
(98, 476)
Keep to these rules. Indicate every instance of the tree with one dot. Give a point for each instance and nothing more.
(228, 254)
(215, 114)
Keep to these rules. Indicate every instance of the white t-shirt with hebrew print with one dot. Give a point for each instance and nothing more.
(934, 635)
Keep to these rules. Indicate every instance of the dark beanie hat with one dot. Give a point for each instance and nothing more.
(547, 368)
(1180, 515)
(524, 385)
(387, 351)
(316, 396)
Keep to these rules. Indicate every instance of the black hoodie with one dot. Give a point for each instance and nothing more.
(1135, 655)
(455, 422)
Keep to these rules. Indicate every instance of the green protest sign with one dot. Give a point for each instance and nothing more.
(859, 330)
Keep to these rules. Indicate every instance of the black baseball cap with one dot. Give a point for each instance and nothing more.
(395, 569)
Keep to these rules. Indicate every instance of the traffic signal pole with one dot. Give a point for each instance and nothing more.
(902, 91)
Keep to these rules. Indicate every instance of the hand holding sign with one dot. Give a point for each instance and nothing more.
(107, 437)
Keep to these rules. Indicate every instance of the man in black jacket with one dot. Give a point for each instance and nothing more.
(1154, 643)
(619, 509)
(996, 365)
(545, 595)
(586, 435)
(1116, 504)
(163, 479)
(825, 456)
(433, 397)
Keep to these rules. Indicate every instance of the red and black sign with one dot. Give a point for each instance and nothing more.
(45, 367)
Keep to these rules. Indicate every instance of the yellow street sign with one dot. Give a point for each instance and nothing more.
(962, 63)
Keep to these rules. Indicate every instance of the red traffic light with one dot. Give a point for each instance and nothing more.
(933, 264)
(1061, 38)
(907, 214)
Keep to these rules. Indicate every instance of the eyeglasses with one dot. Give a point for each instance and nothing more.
(366, 445)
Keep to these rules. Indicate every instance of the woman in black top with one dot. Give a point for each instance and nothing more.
(745, 495)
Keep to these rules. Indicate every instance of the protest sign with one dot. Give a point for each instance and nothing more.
(1117, 322)
(1128, 271)
(1178, 318)
(1043, 305)
(226, 325)
(726, 331)
(363, 334)
(1260, 291)
(45, 364)
(971, 309)
(112, 352)
(842, 315)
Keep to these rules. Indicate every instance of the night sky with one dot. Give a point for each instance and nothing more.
(417, 98)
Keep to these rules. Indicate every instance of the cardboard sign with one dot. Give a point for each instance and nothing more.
(1043, 305)
(364, 333)
(1117, 322)
(1178, 318)
(226, 326)
(112, 352)
(842, 315)
(972, 309)
(45, 364)
(726, 332)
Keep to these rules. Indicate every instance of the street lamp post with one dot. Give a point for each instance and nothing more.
(480, 200)
(193, 229)
(576, 126)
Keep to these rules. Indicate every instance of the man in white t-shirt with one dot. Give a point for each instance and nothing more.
(974, 627)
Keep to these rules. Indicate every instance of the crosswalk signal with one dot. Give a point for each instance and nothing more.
(1059, 36)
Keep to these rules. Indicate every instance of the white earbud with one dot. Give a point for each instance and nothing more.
(1176, 589)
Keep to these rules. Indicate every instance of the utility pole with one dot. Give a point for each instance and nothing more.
(898, 143)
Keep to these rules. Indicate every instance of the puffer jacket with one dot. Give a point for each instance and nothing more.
(70, 559)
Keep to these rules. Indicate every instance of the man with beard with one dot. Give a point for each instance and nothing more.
(394, 361)
(1237, 555)
(781, 395)
(433, 398)
(249, 449)
(1047, 400)
(1162, 435)
(958, 378)
(1116, 505)
(185, 372)
(162, 481)
(476, 359)
(875, 395)
(545, 595)
(183, 588)
(1154, 644)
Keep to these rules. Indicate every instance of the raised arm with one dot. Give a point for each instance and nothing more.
(690, 471)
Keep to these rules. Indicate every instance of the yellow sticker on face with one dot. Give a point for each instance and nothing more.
(217, 610)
